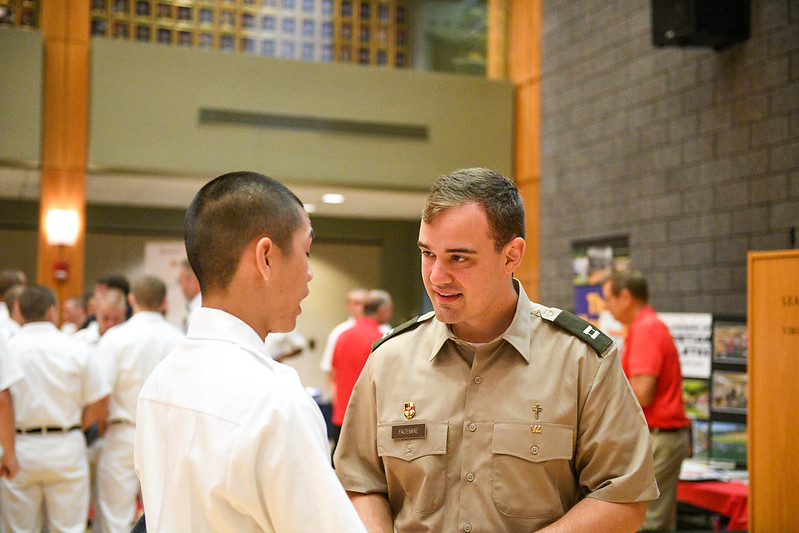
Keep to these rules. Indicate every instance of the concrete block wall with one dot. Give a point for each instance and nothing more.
(692, 153)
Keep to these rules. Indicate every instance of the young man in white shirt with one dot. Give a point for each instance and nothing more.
(127, 355)
(226, 438)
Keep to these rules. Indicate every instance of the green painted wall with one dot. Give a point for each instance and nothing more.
(146, 99)
(21, 75)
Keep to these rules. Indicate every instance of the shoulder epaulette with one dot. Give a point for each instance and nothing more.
(402, 328)
(578, 327)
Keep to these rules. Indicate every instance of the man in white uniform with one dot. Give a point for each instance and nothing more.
(110, 310)
(10, 373)
(61, 392)
(127, 354)
(226, 438)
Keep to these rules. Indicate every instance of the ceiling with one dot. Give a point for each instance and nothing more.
(177, 192)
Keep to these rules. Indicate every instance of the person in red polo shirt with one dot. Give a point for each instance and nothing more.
(353, 348)
(652, 365)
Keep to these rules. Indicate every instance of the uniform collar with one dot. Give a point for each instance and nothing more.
(215, 324)
(517, 334)
(39, 325)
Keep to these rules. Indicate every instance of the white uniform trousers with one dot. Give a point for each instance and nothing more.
(52, 483)
(117, 484)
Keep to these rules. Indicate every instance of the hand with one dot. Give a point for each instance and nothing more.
(9, 466)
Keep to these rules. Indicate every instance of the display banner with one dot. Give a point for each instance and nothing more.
(692, 335)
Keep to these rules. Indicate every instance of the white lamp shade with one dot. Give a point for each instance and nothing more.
(61, 226)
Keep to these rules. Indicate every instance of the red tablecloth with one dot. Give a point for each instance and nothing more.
(728, 498)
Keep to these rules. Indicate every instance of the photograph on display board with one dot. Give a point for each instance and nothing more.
(700, 438)
(729, 341)
(696, 396)
(729, 392)
(728, 442)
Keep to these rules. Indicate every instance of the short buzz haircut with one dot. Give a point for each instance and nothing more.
(112, 298)
(115, 281)
(493, 192)
(34, 301)
(150, 292)
(375, 299)
(227, 214)
(632, 280)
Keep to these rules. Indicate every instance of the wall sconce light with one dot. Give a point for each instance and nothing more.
(61, 227)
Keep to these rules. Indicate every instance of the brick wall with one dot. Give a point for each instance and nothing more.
(692, 153)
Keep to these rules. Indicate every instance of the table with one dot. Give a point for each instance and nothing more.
(729, 498)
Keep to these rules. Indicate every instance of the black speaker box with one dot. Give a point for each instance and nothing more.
(714, 23)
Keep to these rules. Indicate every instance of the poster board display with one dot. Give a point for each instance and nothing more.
(692, 335)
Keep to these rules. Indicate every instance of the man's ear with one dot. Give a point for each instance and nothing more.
(264, 257)
(132, 300)
(514, 252)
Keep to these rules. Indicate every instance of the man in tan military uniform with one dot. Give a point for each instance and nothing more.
(497, 414)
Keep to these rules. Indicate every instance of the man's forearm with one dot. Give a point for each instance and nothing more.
(591, 514)
(7, 428)
(374, 510)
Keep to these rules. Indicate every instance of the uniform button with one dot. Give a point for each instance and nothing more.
(467, 527)
(478, 380)
(472, 426)
(409, 448)
(534, 449)
(470, 477)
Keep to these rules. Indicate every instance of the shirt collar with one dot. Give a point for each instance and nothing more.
(215, 324)
(39, 325)
(517, 334)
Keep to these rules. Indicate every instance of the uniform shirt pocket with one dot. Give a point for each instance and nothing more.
(415, 468)
(530, 462)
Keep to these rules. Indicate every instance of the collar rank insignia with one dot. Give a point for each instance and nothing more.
(410, 410)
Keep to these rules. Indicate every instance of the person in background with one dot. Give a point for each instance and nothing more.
(282, 346)
(61, 393)
(226, 438)
(103, 284)
(111, 309)
(74, 314)
(9, 279)
(190, 288)
(127, 355)
(353, 348)
(492, 413)
(652, 364)
(355, 300)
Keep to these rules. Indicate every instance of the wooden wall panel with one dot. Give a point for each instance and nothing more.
(773, 417)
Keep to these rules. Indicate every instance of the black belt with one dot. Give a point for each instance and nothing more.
(666, 430)
(47, 429)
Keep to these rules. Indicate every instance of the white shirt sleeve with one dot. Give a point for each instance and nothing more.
(292, 481)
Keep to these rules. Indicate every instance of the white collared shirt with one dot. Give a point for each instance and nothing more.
(8, 326)
(10, 372)
(60, 377)
(228, 440)
(127, 354)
